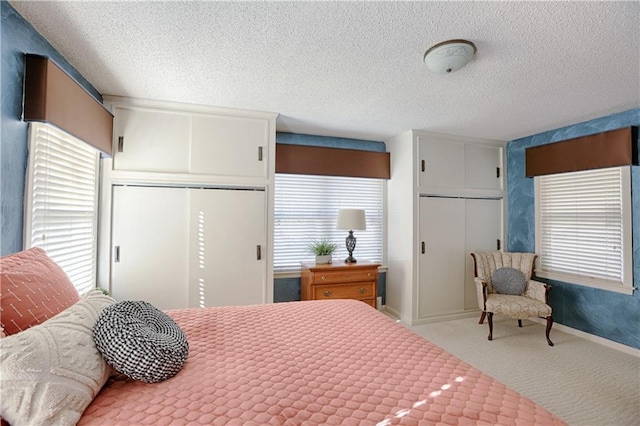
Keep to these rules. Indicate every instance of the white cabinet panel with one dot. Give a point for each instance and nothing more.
(442, 265)
(182, 142)
(228, 230)
(441, 163)
(454, 205)
(452, 228)
(482, 165)
(182, 247)
(180, 210)
(150, 231)
(446, 165)
(483, 227)
(231, 146)
(153, 141)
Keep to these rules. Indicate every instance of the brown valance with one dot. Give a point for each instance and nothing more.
(608, 149)
(52, 96)
(314, 160)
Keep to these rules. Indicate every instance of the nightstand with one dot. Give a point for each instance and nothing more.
(358, 281)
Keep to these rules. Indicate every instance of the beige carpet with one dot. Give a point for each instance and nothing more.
(582, 382)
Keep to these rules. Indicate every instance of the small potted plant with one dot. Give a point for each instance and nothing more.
(323, 249)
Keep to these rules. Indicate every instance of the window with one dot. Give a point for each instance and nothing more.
(61, 202)
(583, 229)
(306, 208)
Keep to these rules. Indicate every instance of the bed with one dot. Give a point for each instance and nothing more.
(330, 362)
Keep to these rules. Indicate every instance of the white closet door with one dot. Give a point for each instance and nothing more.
(441, 163)
(153, 141)
(150, 247)
(230, 146)
(442, 265)
(483, 224)
(228, 247)
(482, 162)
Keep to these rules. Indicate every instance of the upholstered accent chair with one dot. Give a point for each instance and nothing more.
(530, 304)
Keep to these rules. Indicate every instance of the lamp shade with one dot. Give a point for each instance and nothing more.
(351, 220)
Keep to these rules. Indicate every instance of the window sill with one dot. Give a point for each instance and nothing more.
(585, 282)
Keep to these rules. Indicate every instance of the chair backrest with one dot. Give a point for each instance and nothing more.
(486, 262)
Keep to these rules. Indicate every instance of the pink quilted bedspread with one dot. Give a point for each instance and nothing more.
(334, 362)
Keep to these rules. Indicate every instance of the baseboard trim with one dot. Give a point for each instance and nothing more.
(447, 317)
(591, 337)
(390, 312)
(421, 321)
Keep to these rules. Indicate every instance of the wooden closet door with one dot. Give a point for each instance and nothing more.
(150, 245)
(228, 247)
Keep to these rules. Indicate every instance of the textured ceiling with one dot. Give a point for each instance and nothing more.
(355, 69)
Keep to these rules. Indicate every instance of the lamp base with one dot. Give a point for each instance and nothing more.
(351, 246)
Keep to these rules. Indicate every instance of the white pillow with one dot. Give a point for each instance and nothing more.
(51, 372)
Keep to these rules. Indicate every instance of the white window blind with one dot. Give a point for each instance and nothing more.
(306, 208)
(583, 234)
(61, 202)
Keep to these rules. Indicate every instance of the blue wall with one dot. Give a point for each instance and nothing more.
(607, 314)
(18, 38)
(329, 142)
(288, 289)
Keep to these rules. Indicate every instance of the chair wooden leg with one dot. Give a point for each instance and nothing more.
(490, 320)
(549, 325)
(482, 317)
(520, 323)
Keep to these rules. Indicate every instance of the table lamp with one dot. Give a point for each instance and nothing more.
(350, 220)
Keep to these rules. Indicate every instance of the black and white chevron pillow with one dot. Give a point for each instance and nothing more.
(141, 341)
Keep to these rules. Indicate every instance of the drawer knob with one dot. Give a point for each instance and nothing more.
(368, 274)
(326, 293)
(322, 278)
(361, 290)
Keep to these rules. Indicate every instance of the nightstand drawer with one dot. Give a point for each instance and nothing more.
(340, 281)
(344, 276)
(363, 290)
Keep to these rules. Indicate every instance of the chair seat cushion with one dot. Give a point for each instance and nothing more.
(509, 281)
(519, 307)
(141, 341)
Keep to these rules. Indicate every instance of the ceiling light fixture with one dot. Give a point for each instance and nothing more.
(449, 56)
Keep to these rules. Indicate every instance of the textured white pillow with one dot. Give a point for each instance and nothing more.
(51, 372)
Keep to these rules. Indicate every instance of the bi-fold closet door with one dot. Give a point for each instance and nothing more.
(179, 247)
(450, 228)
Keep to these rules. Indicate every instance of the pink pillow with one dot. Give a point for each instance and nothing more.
(33, 288)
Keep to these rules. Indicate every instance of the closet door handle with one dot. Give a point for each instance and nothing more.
(260, 153)
(422, 166)
(116, 254)
(259, 252)
(498, 244)
(422, 247)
